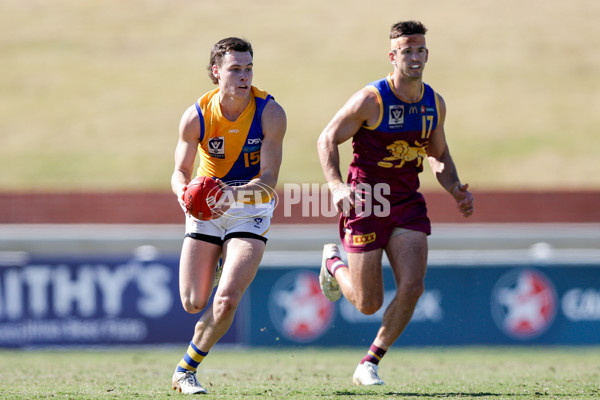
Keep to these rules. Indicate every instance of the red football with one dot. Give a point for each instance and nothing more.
(201, 196)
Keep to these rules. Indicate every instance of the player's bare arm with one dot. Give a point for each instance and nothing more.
(185, 152)
(361, 109)
(440, 160)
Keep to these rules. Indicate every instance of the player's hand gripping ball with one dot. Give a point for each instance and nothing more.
(201, 196)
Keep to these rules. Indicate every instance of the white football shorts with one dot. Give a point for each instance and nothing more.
(240, 221)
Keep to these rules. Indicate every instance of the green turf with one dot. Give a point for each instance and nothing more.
(92, 91)
(299, 373)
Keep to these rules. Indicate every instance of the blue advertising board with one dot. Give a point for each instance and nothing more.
(101, 300)
(121, 300)
(461, 305)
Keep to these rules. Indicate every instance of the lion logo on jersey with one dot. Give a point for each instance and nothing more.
(403, 152)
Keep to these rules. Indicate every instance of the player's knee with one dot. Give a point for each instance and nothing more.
(193, 307)
(369, 306)
(411, 293)
(224, 306)
(368, 309)
(193, 304)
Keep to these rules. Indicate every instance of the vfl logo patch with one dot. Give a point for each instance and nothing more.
(361, 240)
(216, 147)
(396, 115)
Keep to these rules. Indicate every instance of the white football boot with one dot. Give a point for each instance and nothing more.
(329, 286)
(366, 374)
(187, 383)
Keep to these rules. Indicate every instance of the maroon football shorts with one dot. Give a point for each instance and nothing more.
(360, 234)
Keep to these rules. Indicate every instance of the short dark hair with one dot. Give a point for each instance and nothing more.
(405, 28)
(222, 47)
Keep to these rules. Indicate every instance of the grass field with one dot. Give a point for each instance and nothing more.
(456, 373)
(92, 91)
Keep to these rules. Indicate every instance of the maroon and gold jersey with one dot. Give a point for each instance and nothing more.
(388, 157)
(394, 148)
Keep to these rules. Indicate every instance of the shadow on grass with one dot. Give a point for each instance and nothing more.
(436, 395)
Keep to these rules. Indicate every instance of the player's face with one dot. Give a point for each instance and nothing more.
(235, 74)
(409, 55)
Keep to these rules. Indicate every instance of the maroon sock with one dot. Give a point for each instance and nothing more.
(374, 355)
(333, 264)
